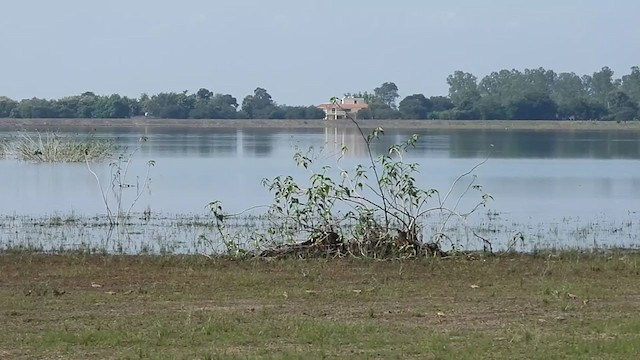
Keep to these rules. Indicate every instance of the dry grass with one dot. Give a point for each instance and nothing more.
(511, 306)
(4, 148)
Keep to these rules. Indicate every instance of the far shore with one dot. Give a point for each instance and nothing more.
(60, 124)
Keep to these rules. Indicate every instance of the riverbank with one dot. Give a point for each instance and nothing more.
(55, 124)
(566, 305)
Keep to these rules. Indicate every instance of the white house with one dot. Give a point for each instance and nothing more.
(348, 105)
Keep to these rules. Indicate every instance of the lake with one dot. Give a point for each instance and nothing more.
(557, 189)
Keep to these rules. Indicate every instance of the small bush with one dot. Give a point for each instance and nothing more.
(374, 211)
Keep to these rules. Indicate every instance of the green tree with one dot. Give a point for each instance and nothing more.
(631, 84)
(112, 107)
(33, 108)
(367, 96)
(67, 107)
(86, 105)
(539, 81)
(302, 112)
(171, 105)
(387, 93)
(532, 106)
(203, 94)
(571, 94)
(378, 110)
(441, 103)
(512, 94)
(260, 105)
(621, 106)
(6, 106)
(463, 90)
(601, 84)
(210, 106)
(415, 106)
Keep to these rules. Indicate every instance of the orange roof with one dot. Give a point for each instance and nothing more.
(343, 106)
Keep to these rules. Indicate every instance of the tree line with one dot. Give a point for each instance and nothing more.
(203, 104)
(532, 94)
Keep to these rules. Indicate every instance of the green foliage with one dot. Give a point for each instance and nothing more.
(630, 84)
(6, 106)
(542, 94)
(463, 90)
(387, 93)
(371, 211)
(441, 103)
(415, 106)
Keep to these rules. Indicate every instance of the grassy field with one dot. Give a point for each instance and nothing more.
(508, 306)
(90, 124)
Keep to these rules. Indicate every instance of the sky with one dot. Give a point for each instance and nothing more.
(302, 51)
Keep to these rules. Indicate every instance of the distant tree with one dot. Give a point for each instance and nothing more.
(539, 81)
(441, 103)
(621, 106)
(247, 106)
(226, 105)
(33, 108)
(210, 106)
(204, 110)
(531, 106)
(378, 110)
(368, 97)
(6, 106)
(387, 93)
(86, 104)
(260, 105)
(601, 84)
(113, 106)
(302, 112)
(490, 107)
(203, 94)
(415, 106)
(171, 105)
(631, 84)
(463, 90)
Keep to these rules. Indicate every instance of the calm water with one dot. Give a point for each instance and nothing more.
(557, 188)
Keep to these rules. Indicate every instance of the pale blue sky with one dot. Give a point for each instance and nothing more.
(302, 52)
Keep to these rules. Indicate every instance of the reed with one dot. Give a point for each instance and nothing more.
(52, 147)
(4, 148)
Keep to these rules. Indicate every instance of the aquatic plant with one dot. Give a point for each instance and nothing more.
(375, 210)
(4, 148)
(118, 208)
(52, 147)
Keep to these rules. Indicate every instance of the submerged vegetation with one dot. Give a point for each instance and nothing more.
(53, 147)
(4, 148)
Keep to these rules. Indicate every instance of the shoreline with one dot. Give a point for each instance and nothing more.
(59, 124)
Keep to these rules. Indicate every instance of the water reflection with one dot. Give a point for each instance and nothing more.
(454, 143)
(538, 178)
